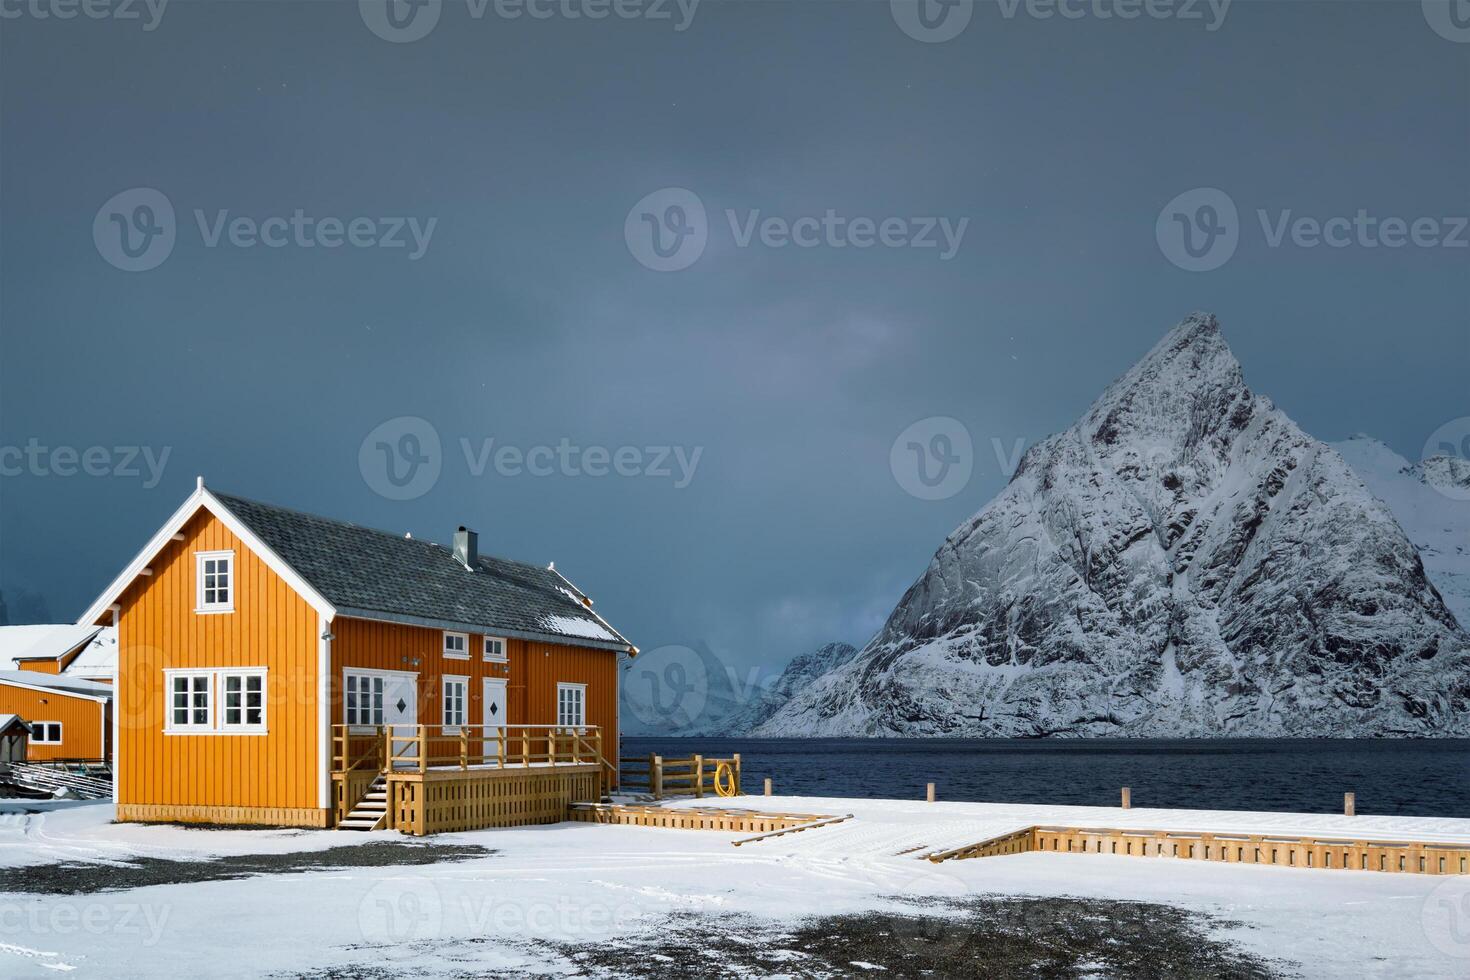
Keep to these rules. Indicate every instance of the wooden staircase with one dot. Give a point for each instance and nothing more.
(370, 812)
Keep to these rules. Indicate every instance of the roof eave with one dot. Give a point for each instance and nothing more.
(490, 629)
(202, 498)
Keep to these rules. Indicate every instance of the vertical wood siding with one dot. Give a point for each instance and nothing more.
(83, 724)
(271, 627)
(533, 671)
(41, 666)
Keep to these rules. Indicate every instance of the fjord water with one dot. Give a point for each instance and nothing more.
(1429, 778)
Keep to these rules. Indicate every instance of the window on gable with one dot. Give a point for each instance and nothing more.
(454, 709)
(45, 733)
(571, 705)
(215, 586)
(189, 702)
(364, 704)
(457, 646)
(495, 649)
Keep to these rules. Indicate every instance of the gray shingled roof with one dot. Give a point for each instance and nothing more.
(373, 574)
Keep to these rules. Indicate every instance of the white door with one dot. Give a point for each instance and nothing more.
(401, 713)
(494, 708)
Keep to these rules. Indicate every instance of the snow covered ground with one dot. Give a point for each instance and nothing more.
(547, 888)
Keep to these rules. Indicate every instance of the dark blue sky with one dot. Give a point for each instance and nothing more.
(529, 320)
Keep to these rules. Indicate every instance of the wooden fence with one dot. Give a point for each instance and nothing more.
(698, 776)
(440, 801)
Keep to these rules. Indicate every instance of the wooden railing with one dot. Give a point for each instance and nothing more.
(698, 776)
(421, 748)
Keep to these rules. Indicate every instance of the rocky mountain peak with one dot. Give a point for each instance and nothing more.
(1184, 560)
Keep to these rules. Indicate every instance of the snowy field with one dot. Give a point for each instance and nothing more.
(546, 892)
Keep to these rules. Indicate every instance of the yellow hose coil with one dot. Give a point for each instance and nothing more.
(725, 784)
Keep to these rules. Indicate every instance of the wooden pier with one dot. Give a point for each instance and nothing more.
(694, 818)
(1327, 853)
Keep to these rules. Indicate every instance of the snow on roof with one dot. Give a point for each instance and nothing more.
(576, 626)
(56, 682)
(98, 658)
(7, 720)
(44, 640)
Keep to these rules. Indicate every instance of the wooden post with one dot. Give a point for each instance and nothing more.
(929, 793)
(551, 745)
(526, 747)
(1350, 804)
(500, 747)
(423, 748)
(699, 777)
(387, 748)
(768, 785)
(464, 747)
(736, 757)
(656, 776)
(1127, 798)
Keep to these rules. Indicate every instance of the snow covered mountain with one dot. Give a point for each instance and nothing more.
(1182, 561)
(1436, 522)
(687, 691)
(799, 673)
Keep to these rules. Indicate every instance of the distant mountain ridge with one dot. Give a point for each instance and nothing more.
(798, 675)
(1182, 561)
(1438, 523)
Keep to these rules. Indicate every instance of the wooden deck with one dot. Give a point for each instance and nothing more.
(1327, 853)
(738, 821)
(440, 779)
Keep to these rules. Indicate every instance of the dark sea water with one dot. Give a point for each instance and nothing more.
(1418, 778)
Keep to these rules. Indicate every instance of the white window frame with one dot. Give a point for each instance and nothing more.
(214, 706)
(242, 727)
(464, 650)
(200, 605)
(562, 716)
(452, 727)
(490, 658)
(35, 738)
(358, 724)
(188, 726)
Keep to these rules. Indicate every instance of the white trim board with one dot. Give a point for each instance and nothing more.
(63, 692)
(202, 498)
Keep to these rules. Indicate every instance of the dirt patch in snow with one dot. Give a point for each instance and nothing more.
(87, 878)
(1000, 938)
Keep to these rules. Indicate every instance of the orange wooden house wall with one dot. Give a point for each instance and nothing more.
(84, 722)
(533, 670)
(227, 778)
(276, 778)
(40, 666)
